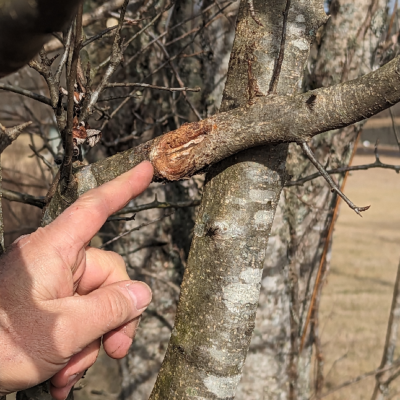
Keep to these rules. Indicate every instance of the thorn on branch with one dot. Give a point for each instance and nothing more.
(8, 135)
(334, 187)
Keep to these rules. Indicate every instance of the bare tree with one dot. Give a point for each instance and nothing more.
(243, 150)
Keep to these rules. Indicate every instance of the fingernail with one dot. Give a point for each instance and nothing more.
(140, 293)
(71, 379)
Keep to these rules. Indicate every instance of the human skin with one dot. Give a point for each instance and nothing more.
(59, 297)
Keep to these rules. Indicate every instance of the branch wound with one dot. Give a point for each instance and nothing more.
(174, 157)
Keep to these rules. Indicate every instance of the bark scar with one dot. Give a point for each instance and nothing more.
(175, 156)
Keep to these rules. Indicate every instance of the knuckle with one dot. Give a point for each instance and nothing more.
(116, 306)
(117, 260)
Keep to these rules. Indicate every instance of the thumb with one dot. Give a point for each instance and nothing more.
(87, 318)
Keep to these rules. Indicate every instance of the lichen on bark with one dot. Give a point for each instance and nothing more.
(221, 285)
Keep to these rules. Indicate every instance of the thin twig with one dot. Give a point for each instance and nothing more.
(64, 57)
(136, 228)
(27, 93)
(307, 151)
(52, 168)
(382, 381)
(99, 35)
(145, 85)
(321, 270)
(278, 65)
(124, 102)
(360, 378)
(11, 195)
(44, 69)
(87, 19)
(115, 59)
(123, 96)
(341, 170)
(131, 218)
(153, 243)
(148, 25)
(173, 28)
(136, 134)
(158, 204)
(210, 21)
(142, 271)
(177, 76)
(108, 59)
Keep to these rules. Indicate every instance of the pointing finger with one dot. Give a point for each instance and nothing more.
(76, 226)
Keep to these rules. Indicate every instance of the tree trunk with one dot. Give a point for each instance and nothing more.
(302, 221)
(220, 290)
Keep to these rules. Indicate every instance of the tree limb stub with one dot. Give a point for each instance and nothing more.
(193, 147)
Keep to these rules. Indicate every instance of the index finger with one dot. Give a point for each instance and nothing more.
(77, 225)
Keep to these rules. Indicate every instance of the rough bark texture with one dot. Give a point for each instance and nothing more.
(140, 368)
(220, 290)
(301, 224)
(198, 145)
(247, 191)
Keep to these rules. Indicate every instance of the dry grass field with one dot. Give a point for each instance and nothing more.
(357, 296)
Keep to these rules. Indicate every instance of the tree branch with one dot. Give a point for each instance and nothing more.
(136, 228)
(115, 59)
(27, 93)
(193, 147)
(8, 135)
(383, 380)
(341, 170)
(361, 377)
(334, 187)
(66, 134)
(11, 195)
(158, 204)
(146, 85)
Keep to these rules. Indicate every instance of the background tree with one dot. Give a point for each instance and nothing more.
(161, 50)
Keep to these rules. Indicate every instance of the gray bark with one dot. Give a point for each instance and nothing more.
(193, 147)
(302, 221)
(220, 290)
(141, 366)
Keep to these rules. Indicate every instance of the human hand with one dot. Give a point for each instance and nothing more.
(59, 296)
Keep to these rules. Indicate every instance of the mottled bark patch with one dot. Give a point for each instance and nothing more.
(174, 156)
